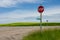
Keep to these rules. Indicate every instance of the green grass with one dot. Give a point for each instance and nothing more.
(30, 24)
(45, 35)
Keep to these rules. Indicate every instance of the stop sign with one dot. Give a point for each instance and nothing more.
(40, 9)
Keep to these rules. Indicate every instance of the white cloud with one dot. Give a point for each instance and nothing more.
(10, 3)
(30, 13)
(52, 10)
(52, 14)
(19, 15)
(7, 3)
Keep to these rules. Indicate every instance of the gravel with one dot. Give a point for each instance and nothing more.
(17, 33)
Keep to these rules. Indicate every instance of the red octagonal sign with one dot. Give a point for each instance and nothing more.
(40, 9)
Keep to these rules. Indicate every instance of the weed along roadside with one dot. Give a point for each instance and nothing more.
(45, 35)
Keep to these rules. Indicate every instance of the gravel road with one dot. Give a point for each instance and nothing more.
(16, 33)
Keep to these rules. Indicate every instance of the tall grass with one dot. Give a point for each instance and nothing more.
(45, 35)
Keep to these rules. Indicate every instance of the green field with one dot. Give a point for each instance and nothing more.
(30, 24)
(45, 35)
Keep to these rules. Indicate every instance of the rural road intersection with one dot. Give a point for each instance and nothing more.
(17, 33)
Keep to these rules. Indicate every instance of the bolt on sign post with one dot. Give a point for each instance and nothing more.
(40, 10)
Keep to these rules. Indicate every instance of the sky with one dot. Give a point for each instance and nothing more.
(26, 10)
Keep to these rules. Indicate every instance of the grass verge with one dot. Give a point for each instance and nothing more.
(45, 35)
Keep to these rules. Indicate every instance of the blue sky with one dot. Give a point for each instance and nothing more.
(26, 10)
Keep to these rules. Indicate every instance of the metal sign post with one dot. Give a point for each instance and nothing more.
(41, 22)
(40, 10)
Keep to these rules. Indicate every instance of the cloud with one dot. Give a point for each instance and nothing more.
(12, 3)
(52, 14)
(7, 3)
(17, 16)
(52, 10)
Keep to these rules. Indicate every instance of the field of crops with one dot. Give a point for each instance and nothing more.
(30, 24)
(45, 35)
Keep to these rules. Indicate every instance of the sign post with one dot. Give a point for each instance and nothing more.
(40, 10)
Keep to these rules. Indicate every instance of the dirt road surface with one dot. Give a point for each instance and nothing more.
(17, 33)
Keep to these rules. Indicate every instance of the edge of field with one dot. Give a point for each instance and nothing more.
(31, 24)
